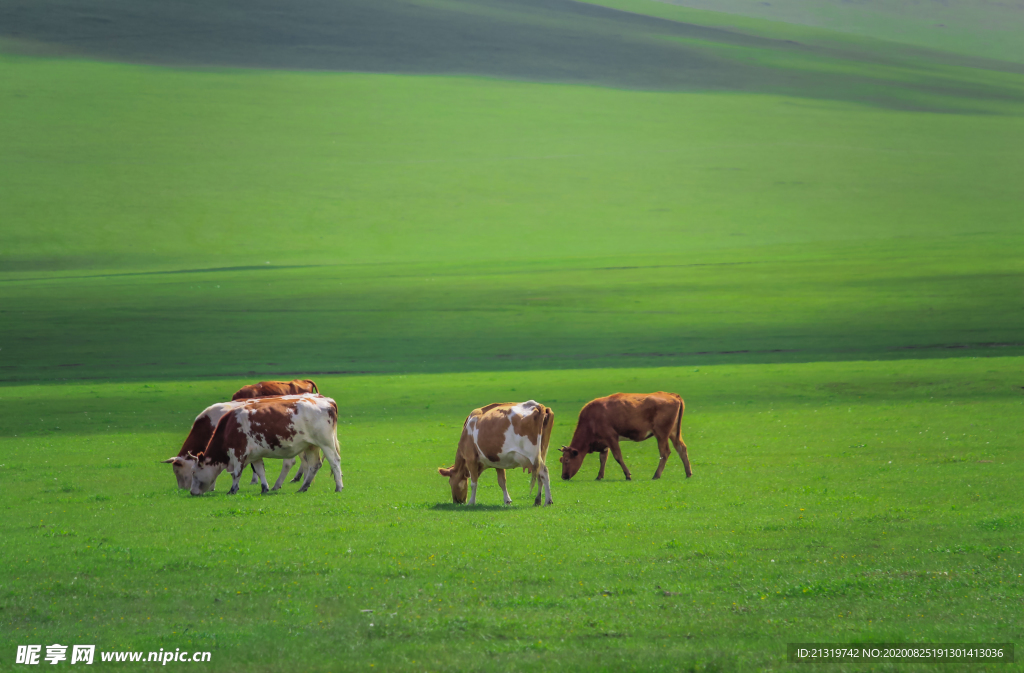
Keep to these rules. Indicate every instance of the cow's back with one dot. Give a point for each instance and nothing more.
(276, 389)
(626, 413)
(275, 424)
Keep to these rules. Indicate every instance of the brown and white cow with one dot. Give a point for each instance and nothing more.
(632, 416)
(504, 435)
(276, 389)
(271, 427)
(199, 436)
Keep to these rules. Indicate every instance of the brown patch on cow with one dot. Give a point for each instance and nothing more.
(271, 423)
(528, 426)
(332, 412)
(490, 433)
(198, 437)
(217, 449)
(276, 389)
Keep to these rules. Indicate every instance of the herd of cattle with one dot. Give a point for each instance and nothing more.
(285, 420)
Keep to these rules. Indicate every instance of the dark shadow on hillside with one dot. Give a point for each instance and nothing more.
(540, 40)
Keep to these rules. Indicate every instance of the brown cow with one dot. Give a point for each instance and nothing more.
(633, 416)
(275, 389)
(502, 436)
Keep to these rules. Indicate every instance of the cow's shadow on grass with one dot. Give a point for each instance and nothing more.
(452, 507)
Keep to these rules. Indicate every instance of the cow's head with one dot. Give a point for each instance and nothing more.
(572, 460)
(182, 467)
(458, 477)
(204, 474)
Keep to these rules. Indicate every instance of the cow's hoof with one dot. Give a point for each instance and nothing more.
(629, 478)
(233, 491)
(655, 477)
(264, 490)
(338, 490)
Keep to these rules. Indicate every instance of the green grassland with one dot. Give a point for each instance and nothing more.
(814, 237)
(186, 223)
(840, 502)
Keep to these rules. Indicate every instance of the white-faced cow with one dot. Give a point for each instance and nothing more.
(502, 436)
(271, 427)
(631, 416)
(199, 436)
(276, 389)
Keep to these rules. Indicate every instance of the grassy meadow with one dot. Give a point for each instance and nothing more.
(814, 237)
(839, 502)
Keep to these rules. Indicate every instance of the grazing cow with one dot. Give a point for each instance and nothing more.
(276, 389)
(271, 427)
(199, 436)
(631, 416)
(502, 436)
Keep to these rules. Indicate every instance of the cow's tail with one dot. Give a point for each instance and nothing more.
(548, 423)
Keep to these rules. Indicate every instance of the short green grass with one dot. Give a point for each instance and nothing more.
(856, 501)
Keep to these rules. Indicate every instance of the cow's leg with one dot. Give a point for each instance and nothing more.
(332, 453)
(474, 475)
(613, 444)
(255, 479)
(286, 466)
(260, 471)
(504, 489)
(235, 477)
(664, 451)
(303, 466)
(543, 485)
(681, 450)
(604, 461)
(314, 465)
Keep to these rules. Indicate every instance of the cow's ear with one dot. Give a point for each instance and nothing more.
(444, 471)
